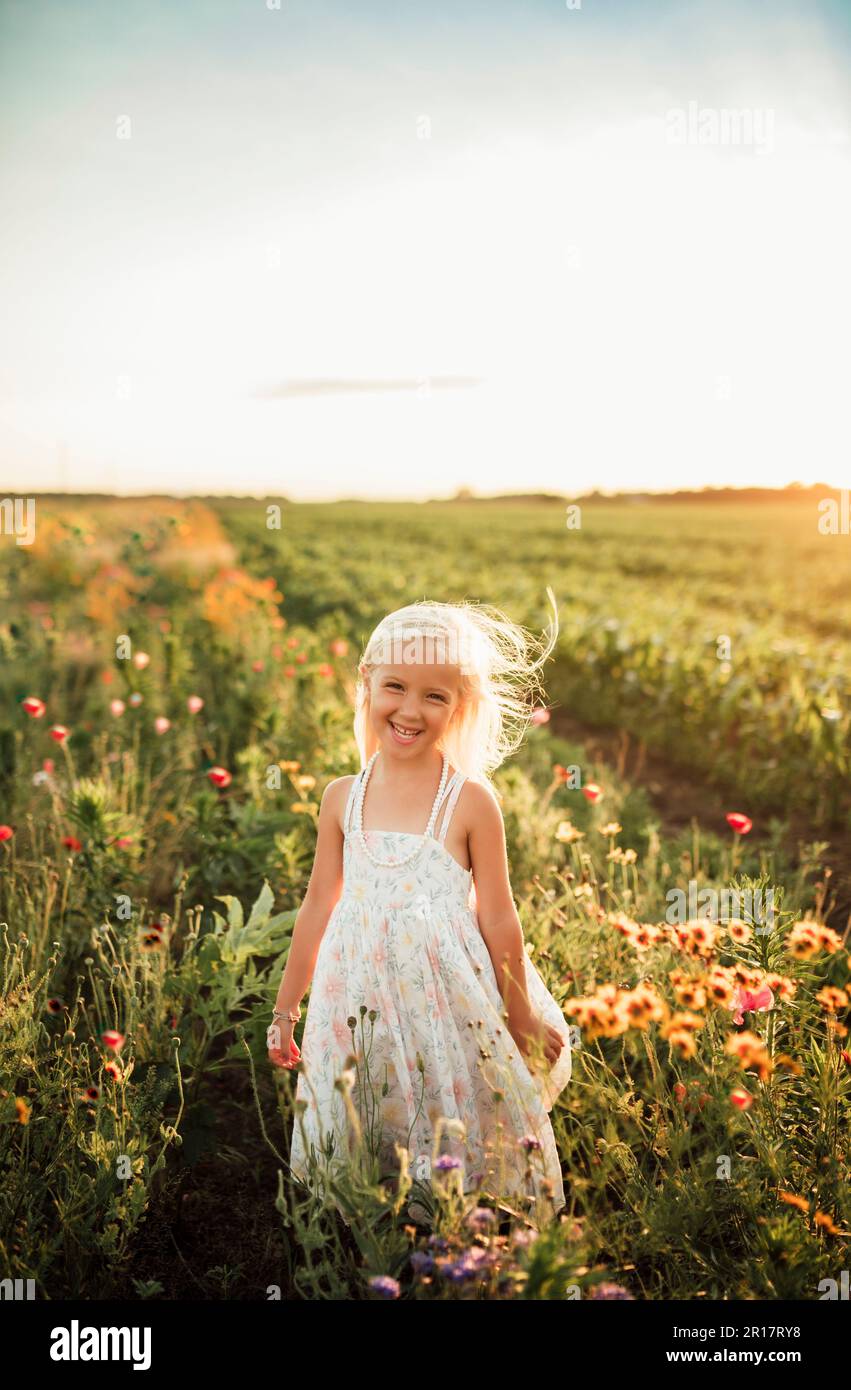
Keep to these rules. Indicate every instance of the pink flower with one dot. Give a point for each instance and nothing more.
(325, 670)
(339, 646)
(60, 733)
(746, 1002)
(257, 666)
(161, 724)
(540, 716)
(34, 706)
(194, 704)
(140, 660)
(6, 832)
(117, 707)
(136, 699)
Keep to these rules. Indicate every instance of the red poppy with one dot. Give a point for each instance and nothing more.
(112, 1039)
(220, 777)
(739, 822)
(59, 733)
(6, 832)
(34, 706)
(71, 843)
(592, 791)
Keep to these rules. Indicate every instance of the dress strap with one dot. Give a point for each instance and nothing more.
(348, 818)
(450, 797)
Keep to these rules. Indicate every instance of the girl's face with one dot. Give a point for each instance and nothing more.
(411, 706)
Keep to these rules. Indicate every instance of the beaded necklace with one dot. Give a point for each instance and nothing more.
(429, 830)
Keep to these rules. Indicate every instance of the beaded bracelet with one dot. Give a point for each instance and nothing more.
(283, 1013)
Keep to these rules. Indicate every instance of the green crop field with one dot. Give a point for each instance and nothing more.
(176, 681)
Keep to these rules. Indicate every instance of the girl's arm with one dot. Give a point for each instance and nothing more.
(323, 891)
(498, 921)
(501, 928)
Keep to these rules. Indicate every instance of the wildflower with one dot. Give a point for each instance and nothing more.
(750, 1051)
(832, 999)
(740, 823)
(136, 699)
(54, 1006)
(480, 1218)
(112, 1069)
(140, 660)
(846, 1057)
(325, 671)
(746, 1002)
(117, 707)
(123, 842)
(611, 828)
(60, 733)
(447, 1163)
(113, 1040)
(305, 782)
(610, 1291)
(150, 940)
(743, 1100)
(826, 1222)
(421, 1263)
(339, 646)
(301, 657)
(384, 1286)
(560, 773)
(567, 832)
(6, 832)
(738, 930)
(161, 724)
(680, 1091)
(783, 1062)
(91, 1094)
(803, 940)
(530, 1142)
(592, 791)
(220, 777)
(34, 706)
(23, 1110)
(194, 704)
(71, 843)
(793, 1200)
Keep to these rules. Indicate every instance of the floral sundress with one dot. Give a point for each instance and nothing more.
(404, 941)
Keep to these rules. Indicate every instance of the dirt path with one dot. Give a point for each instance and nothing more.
(678, 796)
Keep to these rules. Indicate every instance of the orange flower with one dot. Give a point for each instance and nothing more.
(793, 1200)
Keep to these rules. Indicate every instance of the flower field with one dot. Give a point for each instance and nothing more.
(176, 680)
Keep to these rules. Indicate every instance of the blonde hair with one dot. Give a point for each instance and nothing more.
(500, 676)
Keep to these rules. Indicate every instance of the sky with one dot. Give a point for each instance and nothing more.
(324, 248)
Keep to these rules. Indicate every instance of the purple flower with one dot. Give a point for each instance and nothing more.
(447, 1162)
(439, 1243)
(470, 1263)
(529, 1142)
(421, 1263)
(481, 1218)
(384, 1286)
(610, 1291)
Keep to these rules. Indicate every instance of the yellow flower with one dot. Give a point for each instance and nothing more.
(611, 828)
(305, 782)
(566, 831)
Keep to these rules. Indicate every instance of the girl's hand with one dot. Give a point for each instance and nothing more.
(283, 1049)
(536, 1032)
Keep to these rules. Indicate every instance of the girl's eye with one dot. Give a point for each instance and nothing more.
(394, 685)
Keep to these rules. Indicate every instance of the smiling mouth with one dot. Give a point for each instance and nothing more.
(405, 735)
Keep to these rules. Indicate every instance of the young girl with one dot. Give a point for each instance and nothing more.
(409, 913)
